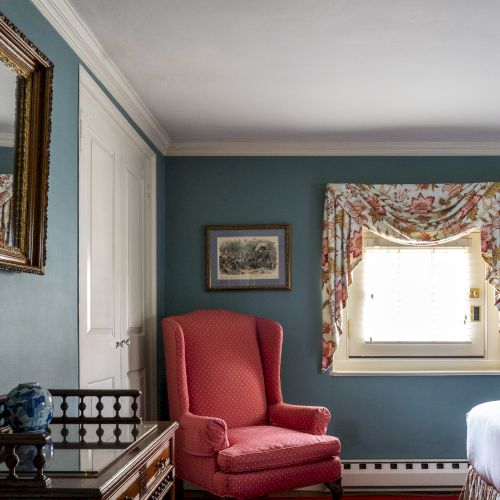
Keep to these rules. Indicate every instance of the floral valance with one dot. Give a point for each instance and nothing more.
(416, 214)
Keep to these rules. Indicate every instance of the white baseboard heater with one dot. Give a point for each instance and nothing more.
(436, 475)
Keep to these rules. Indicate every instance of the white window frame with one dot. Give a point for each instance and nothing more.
(346, 364)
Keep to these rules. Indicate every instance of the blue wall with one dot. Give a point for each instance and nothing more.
(376, 417)
(39, 314)
(410, 417)
(38, 325)
(6, 160)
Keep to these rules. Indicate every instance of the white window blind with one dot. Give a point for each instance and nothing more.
(415, 301)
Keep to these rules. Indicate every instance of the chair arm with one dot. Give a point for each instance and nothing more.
(203, 436)
(309, 419)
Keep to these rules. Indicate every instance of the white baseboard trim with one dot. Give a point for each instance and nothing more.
(404, 474)
(395, 475)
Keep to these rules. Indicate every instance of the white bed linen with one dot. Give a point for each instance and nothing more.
(483, 441)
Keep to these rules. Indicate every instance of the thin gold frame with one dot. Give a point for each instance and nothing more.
(287, 282)
(32, 143)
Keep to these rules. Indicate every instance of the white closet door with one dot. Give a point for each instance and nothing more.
(133, 312)
(99, 255)
(115, 230)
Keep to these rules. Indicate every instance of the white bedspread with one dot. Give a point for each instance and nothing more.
(483, 441)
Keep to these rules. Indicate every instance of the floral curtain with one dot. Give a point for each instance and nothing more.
(416, 214)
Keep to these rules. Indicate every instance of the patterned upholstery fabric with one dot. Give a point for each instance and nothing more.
(255, 484)
(236, 437)
(310, 419)
(223, 366)
(204, 436)
(195, 469)
(265, 447)
(270, 335)
(175, 363)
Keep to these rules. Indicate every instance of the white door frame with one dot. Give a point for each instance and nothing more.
(90, 87)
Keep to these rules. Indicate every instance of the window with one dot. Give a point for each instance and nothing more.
(411, 307)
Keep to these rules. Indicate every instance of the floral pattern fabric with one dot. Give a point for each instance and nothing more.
(415, 214)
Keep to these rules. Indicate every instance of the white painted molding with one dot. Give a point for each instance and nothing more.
(90, 85)
(6, 140)
(404, 474)
(63, 17)
(331, 148)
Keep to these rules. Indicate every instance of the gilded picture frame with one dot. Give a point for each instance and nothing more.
(34, 73)
(248, 257)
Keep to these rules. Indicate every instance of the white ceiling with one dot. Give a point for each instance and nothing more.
(340, 70)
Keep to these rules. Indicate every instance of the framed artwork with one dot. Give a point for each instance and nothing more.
(249, 257)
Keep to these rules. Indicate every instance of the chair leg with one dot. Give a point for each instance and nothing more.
(179, 489)
(336, 488)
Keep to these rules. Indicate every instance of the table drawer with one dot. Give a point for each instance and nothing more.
(151, 475)
(158, 467)
(132, 491)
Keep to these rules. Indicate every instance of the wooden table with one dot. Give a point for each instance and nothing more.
(145, 470)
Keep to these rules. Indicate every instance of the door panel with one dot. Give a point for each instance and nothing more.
(134, 314)
(102, 261)
(135, 252)
(115, 235)
(99, 272)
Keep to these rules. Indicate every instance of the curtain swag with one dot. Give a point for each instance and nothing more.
(416, 214)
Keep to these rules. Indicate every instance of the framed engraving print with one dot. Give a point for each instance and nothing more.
(248, 257)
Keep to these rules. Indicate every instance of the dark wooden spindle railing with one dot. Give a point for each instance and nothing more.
(11, 441)
(82, 418)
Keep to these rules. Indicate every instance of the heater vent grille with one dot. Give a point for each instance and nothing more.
(404, 474)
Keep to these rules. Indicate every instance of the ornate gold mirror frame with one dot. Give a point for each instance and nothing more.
(32, 140)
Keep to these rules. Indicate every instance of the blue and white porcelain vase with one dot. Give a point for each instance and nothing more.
(28, 408)
(27, 455)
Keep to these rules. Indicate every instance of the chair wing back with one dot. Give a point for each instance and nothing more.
(221, 370)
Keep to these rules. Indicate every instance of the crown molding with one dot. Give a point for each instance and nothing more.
(333, 148)
(65, 20)
(88, 84)
(6, 140)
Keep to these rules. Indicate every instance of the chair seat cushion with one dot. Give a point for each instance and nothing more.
(266, 447)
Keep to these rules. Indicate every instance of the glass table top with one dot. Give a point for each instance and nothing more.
(66, 456)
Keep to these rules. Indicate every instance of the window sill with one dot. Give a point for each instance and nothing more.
(414, 367)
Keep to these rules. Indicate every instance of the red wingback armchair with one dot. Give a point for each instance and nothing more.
(237, 438)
